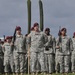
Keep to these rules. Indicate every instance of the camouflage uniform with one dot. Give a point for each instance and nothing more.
(73, 56)
(49, 54)
(38, 39)
(63, 54)
(19, 53)
(8, 57)
(1, 59)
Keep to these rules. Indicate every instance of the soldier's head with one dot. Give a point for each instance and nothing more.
(63, 31)
(36, 27)
(74, 35)
(47, 31)
(18, 30)
(8, 39)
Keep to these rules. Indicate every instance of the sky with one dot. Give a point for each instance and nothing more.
(56, 13)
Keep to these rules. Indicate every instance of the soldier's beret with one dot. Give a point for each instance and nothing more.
(64, 29)
(47, 29)
(74, 33)
(35, 24)
(8, 37)
(32, 28)
(18, 28)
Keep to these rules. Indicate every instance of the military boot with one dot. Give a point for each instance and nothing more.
(36, 73)
(62, 74)
(44, 73)
(66, 73)
(73, 72)
(17, 73)
(32, 73)
(6, 73)
(13, 73)
(21, 73)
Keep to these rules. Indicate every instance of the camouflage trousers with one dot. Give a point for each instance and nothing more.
(67, 60)
(34, 57)
(63, 63)
(19, 62)
(59, 64)
(8, 64)
(49, 63)
(1, 64)
(73, 62)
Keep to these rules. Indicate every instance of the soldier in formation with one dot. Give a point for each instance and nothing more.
(41, 47)
(49, 52)
(37, 40)
(63, 49)
(19, 52)
(73, 54)
(8, 55)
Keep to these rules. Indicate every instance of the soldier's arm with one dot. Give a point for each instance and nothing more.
(3, 48)
(45, 40)
(23, 44)
(57, 43)
(29, 38)
(71, 44)
(54, 45)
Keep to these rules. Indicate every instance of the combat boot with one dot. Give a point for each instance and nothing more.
(32, 73)
(13, 73)
(73, 72)
(44, 73)
(21, 73)
(17, 74)
(50, 74)
(36, 73)
(62, 74)
(66, 73)
(6, 73)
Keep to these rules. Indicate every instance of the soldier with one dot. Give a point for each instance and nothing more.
(8, 55)
(73, 54)
(19, 52)
(1, 57)
(64, 49)
(37, 39)
(49, 52)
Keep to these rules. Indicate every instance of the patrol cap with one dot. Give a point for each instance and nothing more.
(64, 29)
(47, 29)
(18, 28)
(35, 24)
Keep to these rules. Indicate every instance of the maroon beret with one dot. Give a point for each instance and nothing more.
(47, 29)
(74, 34)
(32, 28)
(63, 29)
(18, 28)
(35, 24)
(8, 37)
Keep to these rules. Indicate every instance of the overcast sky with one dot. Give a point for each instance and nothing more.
(56, 13)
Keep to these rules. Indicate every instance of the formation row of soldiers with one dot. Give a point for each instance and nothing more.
(47, 54)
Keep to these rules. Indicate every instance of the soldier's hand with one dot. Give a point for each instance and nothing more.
(57, 47)
(28, 54)
(12, 44)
